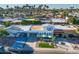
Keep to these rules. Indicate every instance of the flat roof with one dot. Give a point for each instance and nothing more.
(59, 20)
(20, 27)
(66, 27)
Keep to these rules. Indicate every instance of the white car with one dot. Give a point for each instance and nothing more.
(64, 45)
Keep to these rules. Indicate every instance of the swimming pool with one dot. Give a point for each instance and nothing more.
(21, 39)
(21, 48)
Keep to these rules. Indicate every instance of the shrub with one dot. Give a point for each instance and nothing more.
(45, 45)
(3, 32)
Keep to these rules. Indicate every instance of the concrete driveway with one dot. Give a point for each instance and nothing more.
(51, 50)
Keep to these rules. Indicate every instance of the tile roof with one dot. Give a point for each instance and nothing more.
(37, 27)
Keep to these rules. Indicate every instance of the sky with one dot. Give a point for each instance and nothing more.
(57, 6)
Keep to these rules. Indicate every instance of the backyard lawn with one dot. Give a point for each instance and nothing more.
(45, 45)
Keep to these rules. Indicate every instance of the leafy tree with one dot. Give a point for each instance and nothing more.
(3, 33)
(77, 21)
(72, 20)
(36, 22)
(7, 23)
(24, 22)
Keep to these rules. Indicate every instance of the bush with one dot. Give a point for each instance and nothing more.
(3, 32)
(25, 22)
(45, 45)
(7, 23)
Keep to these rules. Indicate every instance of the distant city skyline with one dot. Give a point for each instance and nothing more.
(51, 6)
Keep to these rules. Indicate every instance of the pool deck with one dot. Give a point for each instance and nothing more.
(51, 50)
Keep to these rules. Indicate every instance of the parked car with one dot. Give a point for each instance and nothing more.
(64, 45)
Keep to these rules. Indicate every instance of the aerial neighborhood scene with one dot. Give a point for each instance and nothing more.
(39, 28)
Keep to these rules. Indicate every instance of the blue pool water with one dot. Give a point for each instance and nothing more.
(17, 45)
(21, 48)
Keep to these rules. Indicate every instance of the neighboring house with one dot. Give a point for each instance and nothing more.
(29, 19)
(58, 20)
(74, 14)
(14, 29)
(7, 19)
(10, 19)
(17, 21)
(41, 18)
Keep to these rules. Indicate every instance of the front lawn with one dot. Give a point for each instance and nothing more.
(45, 45)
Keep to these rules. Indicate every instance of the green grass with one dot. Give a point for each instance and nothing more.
(45, 45)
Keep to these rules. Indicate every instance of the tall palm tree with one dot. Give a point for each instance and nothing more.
(39, 9)
(54, 11)
(7, 6)
(46, 7)
(1, 11)
(71, 8)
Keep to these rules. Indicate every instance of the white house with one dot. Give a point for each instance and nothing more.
(59, 20)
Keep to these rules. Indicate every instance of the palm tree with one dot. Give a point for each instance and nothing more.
(7, 6)
(71, 8)
(54, 11)
(39, 9)
(1, 11)
(3, 33)
(40, 6)
(46, 7)
(17, 8)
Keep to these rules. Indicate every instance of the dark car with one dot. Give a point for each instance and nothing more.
(21, 48)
